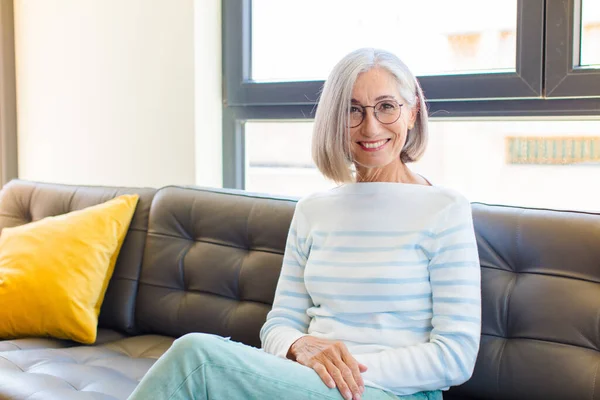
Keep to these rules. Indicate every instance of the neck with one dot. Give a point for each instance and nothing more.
(396, 172)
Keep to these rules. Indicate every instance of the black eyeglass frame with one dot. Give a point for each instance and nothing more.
(364, 112)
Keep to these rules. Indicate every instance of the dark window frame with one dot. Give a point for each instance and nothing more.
(564, 77)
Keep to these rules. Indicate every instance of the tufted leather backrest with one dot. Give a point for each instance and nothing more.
(541, 305)
(22, 202)
(212, 262)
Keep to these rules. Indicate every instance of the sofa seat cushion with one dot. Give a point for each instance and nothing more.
(103, 336)
(108, 371)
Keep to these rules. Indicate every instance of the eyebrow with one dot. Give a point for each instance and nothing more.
(385, 96)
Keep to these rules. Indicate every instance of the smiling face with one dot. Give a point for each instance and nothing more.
(376, 145)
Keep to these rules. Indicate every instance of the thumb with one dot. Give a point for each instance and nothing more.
(362, 367)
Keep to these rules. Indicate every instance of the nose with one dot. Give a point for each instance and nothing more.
(370, 125)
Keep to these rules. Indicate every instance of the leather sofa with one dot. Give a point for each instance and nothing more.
(208, 260)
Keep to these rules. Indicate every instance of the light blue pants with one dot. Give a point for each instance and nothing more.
(202, 366)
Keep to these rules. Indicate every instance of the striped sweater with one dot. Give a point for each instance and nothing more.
(391, 270)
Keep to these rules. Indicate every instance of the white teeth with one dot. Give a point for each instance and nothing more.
(374, 145)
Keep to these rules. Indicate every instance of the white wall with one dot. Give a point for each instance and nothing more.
(209, 138)
(106, 91)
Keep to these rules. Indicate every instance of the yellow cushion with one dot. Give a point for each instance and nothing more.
(54, 272)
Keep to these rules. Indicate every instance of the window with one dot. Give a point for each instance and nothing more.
(536, 163)
(286, 58)
(515, 85)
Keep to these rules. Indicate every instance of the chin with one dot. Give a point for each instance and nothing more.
(375, 163)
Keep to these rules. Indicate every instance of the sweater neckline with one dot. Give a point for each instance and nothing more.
(376, 187)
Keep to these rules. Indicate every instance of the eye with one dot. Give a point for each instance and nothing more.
(356, 110)
(387, 106)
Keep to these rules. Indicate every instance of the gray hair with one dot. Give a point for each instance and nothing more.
(331, 138)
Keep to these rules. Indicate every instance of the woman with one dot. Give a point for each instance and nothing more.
(379, 293)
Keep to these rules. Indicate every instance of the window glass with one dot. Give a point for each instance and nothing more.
(294, 41)
(533, 163)
(278, 159)
(590, 33)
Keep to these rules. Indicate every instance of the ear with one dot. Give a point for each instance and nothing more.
(414, 113)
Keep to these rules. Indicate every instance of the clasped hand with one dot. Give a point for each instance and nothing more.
(333, 362)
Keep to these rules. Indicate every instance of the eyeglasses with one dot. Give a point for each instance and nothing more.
(386, 111)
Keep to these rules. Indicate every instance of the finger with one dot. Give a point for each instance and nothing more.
(362, 367)
(324, 375)
(340, 382)
(354, 368)
(349, 378)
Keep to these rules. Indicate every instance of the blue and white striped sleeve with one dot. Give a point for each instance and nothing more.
(449, 357)
(287, 321)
